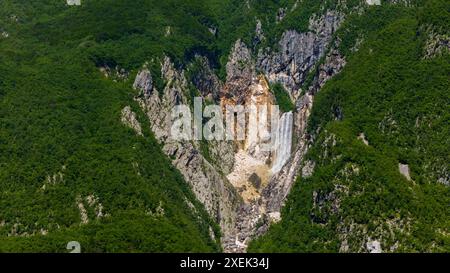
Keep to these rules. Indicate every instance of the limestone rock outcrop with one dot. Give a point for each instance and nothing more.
(210, 187)
(299, 52)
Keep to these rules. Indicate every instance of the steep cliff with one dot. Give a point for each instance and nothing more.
(299, 52)
(209, 185)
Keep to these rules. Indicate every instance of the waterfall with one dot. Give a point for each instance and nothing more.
(283, 142)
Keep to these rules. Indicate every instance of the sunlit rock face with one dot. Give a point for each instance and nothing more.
(208, 184)
(299, 52)
(251, 157)
(248, 170)
(240, 73)
(263, 152)
(296, 56)
(242, 183)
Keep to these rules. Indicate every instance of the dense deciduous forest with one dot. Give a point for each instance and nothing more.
(399, 100)
(62, 143)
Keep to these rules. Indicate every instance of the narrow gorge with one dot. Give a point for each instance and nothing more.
(205, 126)
(245, 190)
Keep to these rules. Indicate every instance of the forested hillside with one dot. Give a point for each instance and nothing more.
(63, 147)
(71, 171)
(389, 106)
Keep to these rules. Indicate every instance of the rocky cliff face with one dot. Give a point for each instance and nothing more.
(436, 44)
(252, 201)
(299, 53)
(205, 80)
(280, 185)
(210, 186)
(210, 87)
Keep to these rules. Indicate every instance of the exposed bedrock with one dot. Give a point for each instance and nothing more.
(209, 185)
(298, 53)
(241, 185)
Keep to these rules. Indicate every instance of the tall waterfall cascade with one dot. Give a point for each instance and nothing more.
(283, 142)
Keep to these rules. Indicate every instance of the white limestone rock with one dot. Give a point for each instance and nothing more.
(129, 119)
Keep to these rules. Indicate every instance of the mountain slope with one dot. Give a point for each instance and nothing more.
(70, 170)
(86, 92)
(386, 111)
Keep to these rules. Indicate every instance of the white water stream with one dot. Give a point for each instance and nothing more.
(283, 142)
